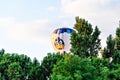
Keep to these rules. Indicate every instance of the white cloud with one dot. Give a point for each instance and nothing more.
(35, 31)
(52, 8)
(103, 2)
(30, 38)
(86, 7)
(6, 21)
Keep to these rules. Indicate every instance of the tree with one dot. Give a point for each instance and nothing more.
(118, 38)
(19, 67)
(110, 49)
(84, 40)
(2, 51)
(48, 63)
(72, 67)
(116, 55)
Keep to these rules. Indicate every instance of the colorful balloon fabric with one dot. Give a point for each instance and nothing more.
(60, 39)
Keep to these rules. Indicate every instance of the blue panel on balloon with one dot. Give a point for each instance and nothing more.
(61, 31)
(69, 31)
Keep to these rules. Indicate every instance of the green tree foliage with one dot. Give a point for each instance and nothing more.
(48, 63)
(73, 67)
(118, 38)
(2, 51)
(35, 71)
(114, 71)
(116, 57)
(4, 63)
(113, 47)
(14, 71)
(110, 49)
(18, 67)
(102, 68)
(84, 40)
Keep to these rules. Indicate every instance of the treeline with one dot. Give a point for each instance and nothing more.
(81, 64)
(18, 67)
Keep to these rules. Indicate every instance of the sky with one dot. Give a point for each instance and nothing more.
(26, 25)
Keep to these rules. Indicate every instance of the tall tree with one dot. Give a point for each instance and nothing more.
(110, 49)
(84, 40)
(116, 55)
(2, 51)
(118, 38)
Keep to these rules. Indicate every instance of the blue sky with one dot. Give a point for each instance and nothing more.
(26, 25)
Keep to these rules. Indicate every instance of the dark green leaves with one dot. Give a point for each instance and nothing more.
(84, 40)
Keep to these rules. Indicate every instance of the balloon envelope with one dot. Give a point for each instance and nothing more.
(60, 39)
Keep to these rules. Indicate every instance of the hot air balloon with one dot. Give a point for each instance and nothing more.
(60, 39)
